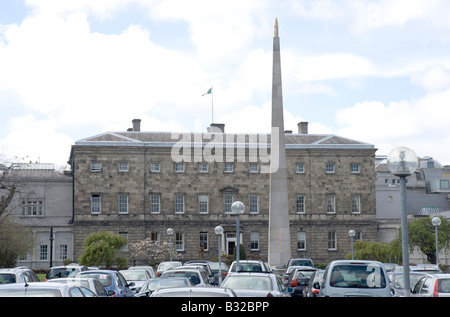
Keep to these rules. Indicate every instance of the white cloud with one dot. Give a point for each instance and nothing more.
(432, 78)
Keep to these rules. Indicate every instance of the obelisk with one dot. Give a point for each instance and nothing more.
(279, 233)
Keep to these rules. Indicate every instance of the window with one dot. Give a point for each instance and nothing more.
(203, 167)
(179, 203)
(179, 167)
(300, 204)
(123, 203)
(331, 204)
(96, 167)
(356, 204)
(96, 203)
(32, 207)
(204, 241)
(203, 204)
(43, 252)
(354, 168)
(179, 241)
(123, 167)
(155, 167)
(228, 199)
(253, 167)
(301, 240)
(299, 168)
(331, 240)
(329, 168)
(155, 203)
(228, 168)
(63, 251)
(253, 204)
(254, 241)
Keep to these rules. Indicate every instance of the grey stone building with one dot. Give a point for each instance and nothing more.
(43, 202)
(139, 184)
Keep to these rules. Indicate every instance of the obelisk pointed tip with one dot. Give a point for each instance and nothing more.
(276, 28)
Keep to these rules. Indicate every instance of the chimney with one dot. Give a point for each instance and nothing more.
(136, 124)
(217, 127)
(303, 127)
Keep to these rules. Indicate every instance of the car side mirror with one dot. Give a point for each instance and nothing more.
(111, 293)
(316, 285)
(131, 284)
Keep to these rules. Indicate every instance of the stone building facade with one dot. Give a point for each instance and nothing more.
(139, 184)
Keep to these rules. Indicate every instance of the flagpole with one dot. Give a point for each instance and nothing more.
(212, 105)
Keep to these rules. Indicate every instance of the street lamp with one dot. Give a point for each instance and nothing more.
(170, 234)
(219, 231)
(402, 162)
(237, 208)
(352, 234)
(436, 222)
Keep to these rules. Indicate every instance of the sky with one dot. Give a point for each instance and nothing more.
(373, 71)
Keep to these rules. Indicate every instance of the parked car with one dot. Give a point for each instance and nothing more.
(354, 278)
(250, 266)
(300, 262)
(149, 269)
(215, 270)
(157, 283)
(196, 291)
(429, 268)
(138, 277)
(70, 270)
(255, 284)
(397, 281)
(197, 277)
(39, 289)
(390, 266)
(93, 284)
(432, 285)
(298, 279)
(291, 269)
(19, 274)
(202, 263)
(112, 281)
(167, 265)
(310, 290)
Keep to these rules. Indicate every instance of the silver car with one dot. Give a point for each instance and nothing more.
(195, 291)
(88, 282)
(355, 278)
(255, 284)
(197, 277)
(432, 285)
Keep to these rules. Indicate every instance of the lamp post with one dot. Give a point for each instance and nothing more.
(170, 234)
(237, 208)
(436, 222)
(402, 162)
(352, 234)
(219, 231)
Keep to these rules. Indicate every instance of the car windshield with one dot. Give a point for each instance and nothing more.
(247, 267)
(133, 275)
(193, 276)
(104, 279)
(168, 265)
(61, 272)
(248, 282)
(301, 262)
(358, 275)
(166, 283)
(399, 280)
(7, 278)
(444, 285)
(215, 266)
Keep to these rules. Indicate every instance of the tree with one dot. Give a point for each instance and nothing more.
(101, 248)
(375, 251)
(421, 234)
(151, 252)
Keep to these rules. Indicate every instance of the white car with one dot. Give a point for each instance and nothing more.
(255, 284)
